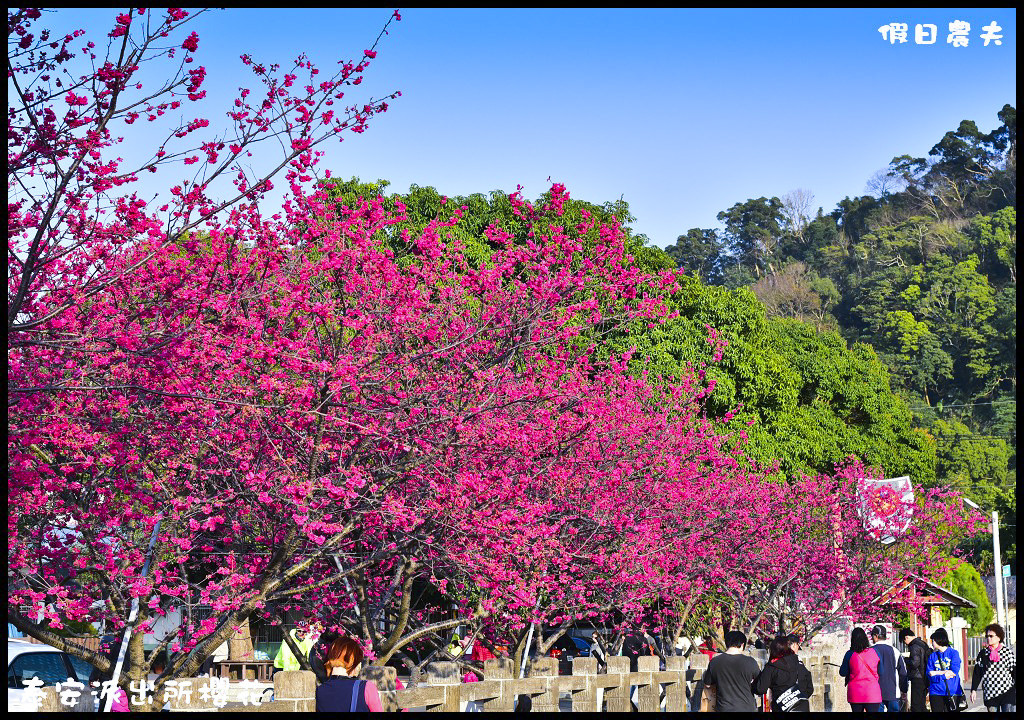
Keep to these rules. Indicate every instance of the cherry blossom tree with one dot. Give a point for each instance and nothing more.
(322, 414)
(258, 411)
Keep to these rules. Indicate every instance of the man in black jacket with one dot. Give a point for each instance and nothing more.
(917, 669)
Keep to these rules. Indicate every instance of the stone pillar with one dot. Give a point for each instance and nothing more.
(649, 695)
(617, 698)
(695, 686)
(193, 701)
(384, 678)
(585, 700)
(49, 701)
(675, 693)
(240, 645)
(297, 688)
(837, 690)
(500, 669)
(546, 667)
(445, 674)
(817, 700)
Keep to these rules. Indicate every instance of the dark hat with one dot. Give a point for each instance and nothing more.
(878, 631)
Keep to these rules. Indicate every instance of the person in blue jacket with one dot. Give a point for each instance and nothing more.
(943, 673)
(892, 671)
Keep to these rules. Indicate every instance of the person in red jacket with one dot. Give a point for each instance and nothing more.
(708, 647)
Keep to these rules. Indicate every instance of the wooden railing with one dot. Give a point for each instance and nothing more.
(678, 688)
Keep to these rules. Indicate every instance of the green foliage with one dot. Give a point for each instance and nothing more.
(965, 581)
(479, 212)
(699, 253)
(924, 273)
(812, 401)
(72, 628)
(753, 228)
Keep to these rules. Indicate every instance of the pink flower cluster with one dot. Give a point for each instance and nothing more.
(326, 411)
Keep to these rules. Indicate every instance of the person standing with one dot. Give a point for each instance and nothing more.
(787, 678)
(318, 654)
(892, 671)
(733, 675)
(344, 691)
(708, 647)
(917, 669)
(794, 642)
(944, 673)
(995, 670)
(860, 668)
(633, 647)
(285, 659)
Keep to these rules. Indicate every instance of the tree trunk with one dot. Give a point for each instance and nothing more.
(240, 644)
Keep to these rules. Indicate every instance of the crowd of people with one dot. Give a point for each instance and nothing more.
(738, 679)
(878, 678)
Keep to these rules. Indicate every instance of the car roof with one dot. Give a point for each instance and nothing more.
(17, 646)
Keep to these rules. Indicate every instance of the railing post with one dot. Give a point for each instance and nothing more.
(837, 690)
(817, 701)
(648, 691)
(698, 664)
(546, 667)
(446, 675)
(617, 698)
(384, 678)
(675, 694)
(500, 669)
(585, 700)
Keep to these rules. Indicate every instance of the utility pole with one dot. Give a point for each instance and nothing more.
(1002, 614)
(116, 676)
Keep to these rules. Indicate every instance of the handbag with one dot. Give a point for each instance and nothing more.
(787, 700)
(954, 703)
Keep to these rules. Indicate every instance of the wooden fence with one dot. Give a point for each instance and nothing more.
(678, 688)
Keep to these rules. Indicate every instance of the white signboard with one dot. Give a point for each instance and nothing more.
(885, 506)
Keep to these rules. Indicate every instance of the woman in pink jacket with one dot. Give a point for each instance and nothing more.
(860, 668)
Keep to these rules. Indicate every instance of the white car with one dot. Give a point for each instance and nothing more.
(27, 660)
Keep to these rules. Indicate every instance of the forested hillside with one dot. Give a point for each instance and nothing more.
(922, 269)
(885, 329)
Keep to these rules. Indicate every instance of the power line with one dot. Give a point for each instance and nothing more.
(943, 407)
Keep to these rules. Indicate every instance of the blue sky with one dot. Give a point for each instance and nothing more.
(681, 112)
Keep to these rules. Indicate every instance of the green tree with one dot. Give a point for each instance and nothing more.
(995, 238)
(699, 253)
(966, 582)
(753, 229)
(803, 399)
